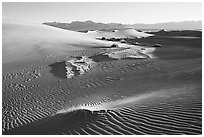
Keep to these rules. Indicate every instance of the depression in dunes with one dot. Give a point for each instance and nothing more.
(123, 81)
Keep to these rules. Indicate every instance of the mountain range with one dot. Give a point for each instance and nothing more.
(90, 25)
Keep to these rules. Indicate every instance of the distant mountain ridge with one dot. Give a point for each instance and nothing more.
(184, 25)
(90, 25)
(85, 26)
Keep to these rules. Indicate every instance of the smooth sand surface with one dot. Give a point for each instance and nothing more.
(161, 95)
(124, 33)
(28, 40)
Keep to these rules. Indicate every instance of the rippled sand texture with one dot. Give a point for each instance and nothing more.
(32, 97)
(161, 95)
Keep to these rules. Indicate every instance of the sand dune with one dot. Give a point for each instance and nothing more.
(37, 40)
(123, 95)
(124, 33)
(139, 117)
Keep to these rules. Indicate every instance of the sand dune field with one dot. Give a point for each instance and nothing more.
(57, 81)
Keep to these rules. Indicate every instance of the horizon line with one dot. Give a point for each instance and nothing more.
(124, 23)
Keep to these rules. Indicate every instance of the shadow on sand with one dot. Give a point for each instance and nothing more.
(55, 124)
(58, 69)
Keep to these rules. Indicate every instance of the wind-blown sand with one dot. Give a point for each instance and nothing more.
(159, 95)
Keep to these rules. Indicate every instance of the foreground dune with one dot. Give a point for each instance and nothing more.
(105, 93)
(142, 117)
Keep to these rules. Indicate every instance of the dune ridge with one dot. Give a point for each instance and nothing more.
(41, 40)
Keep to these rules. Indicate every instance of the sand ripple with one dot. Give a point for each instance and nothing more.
(174, 117)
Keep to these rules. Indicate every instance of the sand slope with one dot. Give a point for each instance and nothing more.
(124, 33)
(22, 40)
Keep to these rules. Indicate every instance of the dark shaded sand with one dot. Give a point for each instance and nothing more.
(101, 58)
(188, 33)
(58, 69)
(150, 96)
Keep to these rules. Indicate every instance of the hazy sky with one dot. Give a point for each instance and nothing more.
(129, 13)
